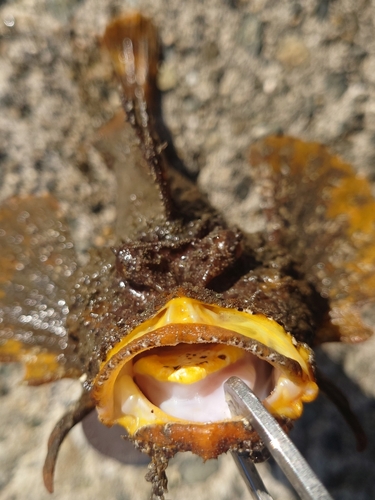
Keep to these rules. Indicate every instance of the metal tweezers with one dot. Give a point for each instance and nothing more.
(243, 402)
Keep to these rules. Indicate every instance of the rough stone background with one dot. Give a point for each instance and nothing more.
(233, 71)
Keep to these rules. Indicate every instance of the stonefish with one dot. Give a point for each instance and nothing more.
(154, 325)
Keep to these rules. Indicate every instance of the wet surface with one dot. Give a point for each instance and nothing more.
(233, 72)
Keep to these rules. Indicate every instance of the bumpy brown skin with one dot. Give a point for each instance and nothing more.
(141, 277)
(188, 249)
(106, 309)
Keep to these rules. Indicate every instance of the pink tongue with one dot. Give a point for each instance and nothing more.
(204, 401)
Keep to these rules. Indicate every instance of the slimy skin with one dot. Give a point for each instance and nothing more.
(153, 324)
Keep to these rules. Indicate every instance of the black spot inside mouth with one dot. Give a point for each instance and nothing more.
(222, 356)
(177, 367)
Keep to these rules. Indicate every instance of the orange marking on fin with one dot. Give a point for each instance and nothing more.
(325, 216)
(40, 366)
(132, 43)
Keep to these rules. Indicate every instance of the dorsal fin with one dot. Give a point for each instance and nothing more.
(132, 43)
(324, 214)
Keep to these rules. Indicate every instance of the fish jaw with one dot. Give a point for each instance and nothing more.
(164, 381)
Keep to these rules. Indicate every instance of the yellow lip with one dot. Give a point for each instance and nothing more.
(187, 321)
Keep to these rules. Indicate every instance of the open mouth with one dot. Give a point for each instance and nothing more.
(192, 389)
(171, 369)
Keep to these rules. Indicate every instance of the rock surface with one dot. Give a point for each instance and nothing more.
(234, 71)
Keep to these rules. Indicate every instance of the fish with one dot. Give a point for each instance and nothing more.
(155, 323)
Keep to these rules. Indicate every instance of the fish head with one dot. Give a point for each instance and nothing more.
(163, 380)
